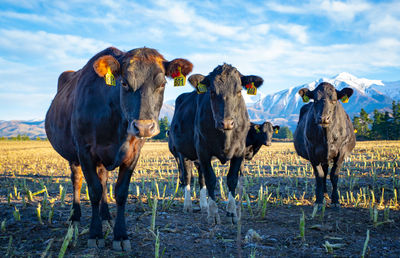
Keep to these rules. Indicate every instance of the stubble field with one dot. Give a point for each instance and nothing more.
(278, 190)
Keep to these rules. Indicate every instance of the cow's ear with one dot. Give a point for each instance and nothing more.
(276, 128)
(344, 94)
(306, 94)
(106, 63)
(173, 67)
(195, 79)
(246, 80)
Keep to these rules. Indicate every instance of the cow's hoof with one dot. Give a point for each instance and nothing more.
(231, 208)
(187, 203)
(96, 243)
(214, 220)
(187, 208)
(124, 245)
(203, 207)
(203, 199)
(233, 216)
(213, 216)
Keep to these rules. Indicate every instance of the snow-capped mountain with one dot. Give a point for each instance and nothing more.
(283, 107)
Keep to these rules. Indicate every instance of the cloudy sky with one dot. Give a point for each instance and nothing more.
(288, 43)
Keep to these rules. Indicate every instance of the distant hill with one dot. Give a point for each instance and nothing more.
(14, 128)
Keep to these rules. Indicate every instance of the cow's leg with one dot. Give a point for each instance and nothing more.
(203, 189)
(319, 189)
(76, 178)
(186, 172)
(210, 179)
(121, 241)
(334, 180)
(95, 192)
(232, 180)
(103, 175)
(325, 168)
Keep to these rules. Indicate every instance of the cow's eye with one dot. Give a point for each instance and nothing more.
(212, 94)
(162, 85)
(125, 85)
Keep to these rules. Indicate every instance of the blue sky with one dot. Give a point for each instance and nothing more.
(288, 43)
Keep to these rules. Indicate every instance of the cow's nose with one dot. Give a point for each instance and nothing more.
(227, 124)
(325, 120)
(144, 128)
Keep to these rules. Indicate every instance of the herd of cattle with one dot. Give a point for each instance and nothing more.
(102, 114)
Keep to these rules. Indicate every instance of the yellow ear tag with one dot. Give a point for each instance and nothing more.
(276, 131)
(252, 90)
(201, 88)
(306, 99)
(180, 79)
(355, 130)
(345, 99)
(109, 78)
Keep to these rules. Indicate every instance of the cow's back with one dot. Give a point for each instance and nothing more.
(182, 125)
(58, 117)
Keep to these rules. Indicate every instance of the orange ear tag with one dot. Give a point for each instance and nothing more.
(276, 131)
(306, 99)
(345, 99)
(355, 130)
(109, 78)
(201, 88)
(180, 79)
(251, 89)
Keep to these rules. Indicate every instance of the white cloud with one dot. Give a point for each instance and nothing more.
(24, 16)
(42, 46)
(298, 32)
(338, 11)
(386, 25)
(343, 11)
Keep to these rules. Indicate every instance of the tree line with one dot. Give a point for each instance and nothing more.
(381, 126)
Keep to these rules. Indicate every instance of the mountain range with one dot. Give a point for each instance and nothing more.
(281, 108)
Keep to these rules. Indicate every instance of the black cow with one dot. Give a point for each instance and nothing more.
(258, 135)
(324, 135)
(213, 124)
(99, 120)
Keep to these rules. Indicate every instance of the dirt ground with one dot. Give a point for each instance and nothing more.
(189, 235)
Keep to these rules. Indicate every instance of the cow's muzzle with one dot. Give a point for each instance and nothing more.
(144, 128)
(226, 124)
(324, 121)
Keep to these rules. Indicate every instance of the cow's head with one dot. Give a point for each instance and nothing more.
(140, 75)
(224, 88)
(263, 133)
(326, 98)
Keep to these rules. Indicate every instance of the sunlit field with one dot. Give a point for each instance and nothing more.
(36, 194)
